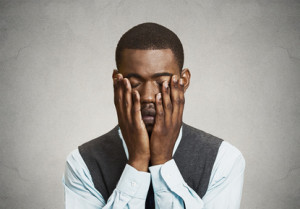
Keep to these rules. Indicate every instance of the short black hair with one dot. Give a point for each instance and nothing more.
(150, 36)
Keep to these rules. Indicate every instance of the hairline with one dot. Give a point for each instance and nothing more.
(155, 48)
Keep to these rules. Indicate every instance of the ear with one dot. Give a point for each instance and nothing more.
(186, 76)
(115, 72)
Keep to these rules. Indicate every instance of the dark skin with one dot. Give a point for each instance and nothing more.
(149, 99)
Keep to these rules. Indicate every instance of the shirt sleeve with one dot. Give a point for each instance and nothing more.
(170, 189)
(224, 189)
(80, 193)
(227, 178)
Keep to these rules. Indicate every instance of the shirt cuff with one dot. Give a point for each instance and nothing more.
(171, 174)
(166, 176)
(134, 183)
(174, 180)
(157, 181)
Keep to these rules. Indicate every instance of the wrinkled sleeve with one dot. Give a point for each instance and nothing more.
(80, 193)
(170, 189)
(224, 190)
(227, 178)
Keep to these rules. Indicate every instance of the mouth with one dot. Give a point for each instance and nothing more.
(148, 116)
(148, 120)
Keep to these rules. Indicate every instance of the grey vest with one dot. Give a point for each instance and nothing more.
(195, 156)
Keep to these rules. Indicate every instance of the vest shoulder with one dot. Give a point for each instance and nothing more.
(102, 141)
(201, 136)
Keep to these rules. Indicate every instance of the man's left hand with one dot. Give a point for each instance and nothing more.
(168, 120)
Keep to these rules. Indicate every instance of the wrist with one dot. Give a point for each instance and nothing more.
(140, 164)
(159, 160)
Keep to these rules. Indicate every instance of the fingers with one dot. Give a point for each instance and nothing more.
(115, 72)
(127, 103)
(177, 96)
(170, 111)
(118, 95)
(159, 117)
(136, 109)
(122, 98)
(181, 98)
(167, 103)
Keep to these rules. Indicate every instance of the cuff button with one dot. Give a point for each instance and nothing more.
(133, 184)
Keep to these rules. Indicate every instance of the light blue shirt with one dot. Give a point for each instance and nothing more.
(170, 190)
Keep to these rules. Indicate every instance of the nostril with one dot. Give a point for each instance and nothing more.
(148, 91)
(147, 105)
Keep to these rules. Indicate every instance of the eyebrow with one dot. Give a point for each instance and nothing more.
(154, 76)
(129, 75)
(161, 74)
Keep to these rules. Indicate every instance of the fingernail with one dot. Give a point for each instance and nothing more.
(174, 78)
(115, 81)
(181, 81)
(166, 85)
(159, 96)
(119, 77)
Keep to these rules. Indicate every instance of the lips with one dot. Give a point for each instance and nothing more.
(148, 114)
(148, 120)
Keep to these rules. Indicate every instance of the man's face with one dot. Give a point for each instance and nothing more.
(146, 71)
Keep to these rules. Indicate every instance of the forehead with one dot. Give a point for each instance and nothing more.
(148, 62)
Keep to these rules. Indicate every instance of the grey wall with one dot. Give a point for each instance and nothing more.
(56, 59)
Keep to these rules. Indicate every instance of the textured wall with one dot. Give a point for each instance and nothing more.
(56, 59)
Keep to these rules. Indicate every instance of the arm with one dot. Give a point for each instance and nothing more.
(227, 178)
(80, 192)
(169, 110)
(224, 190)
(132, 188)
(128, 107)
(171, 191)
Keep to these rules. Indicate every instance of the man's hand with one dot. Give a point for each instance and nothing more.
(133, 129)
(168, 120)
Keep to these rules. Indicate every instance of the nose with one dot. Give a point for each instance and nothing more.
(148, 91)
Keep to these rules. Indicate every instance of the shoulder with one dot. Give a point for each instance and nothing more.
(228, 160)
(102, 142)
(229, 156)
(77, 180)
(206, 140)
(76, 172)
(75, 166)
(229, 164)
(79, 160)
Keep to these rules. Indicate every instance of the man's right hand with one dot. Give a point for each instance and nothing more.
(127, 103)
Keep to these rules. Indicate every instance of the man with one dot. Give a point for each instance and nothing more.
(151, 159)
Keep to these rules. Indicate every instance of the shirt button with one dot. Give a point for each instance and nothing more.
(133, 184)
